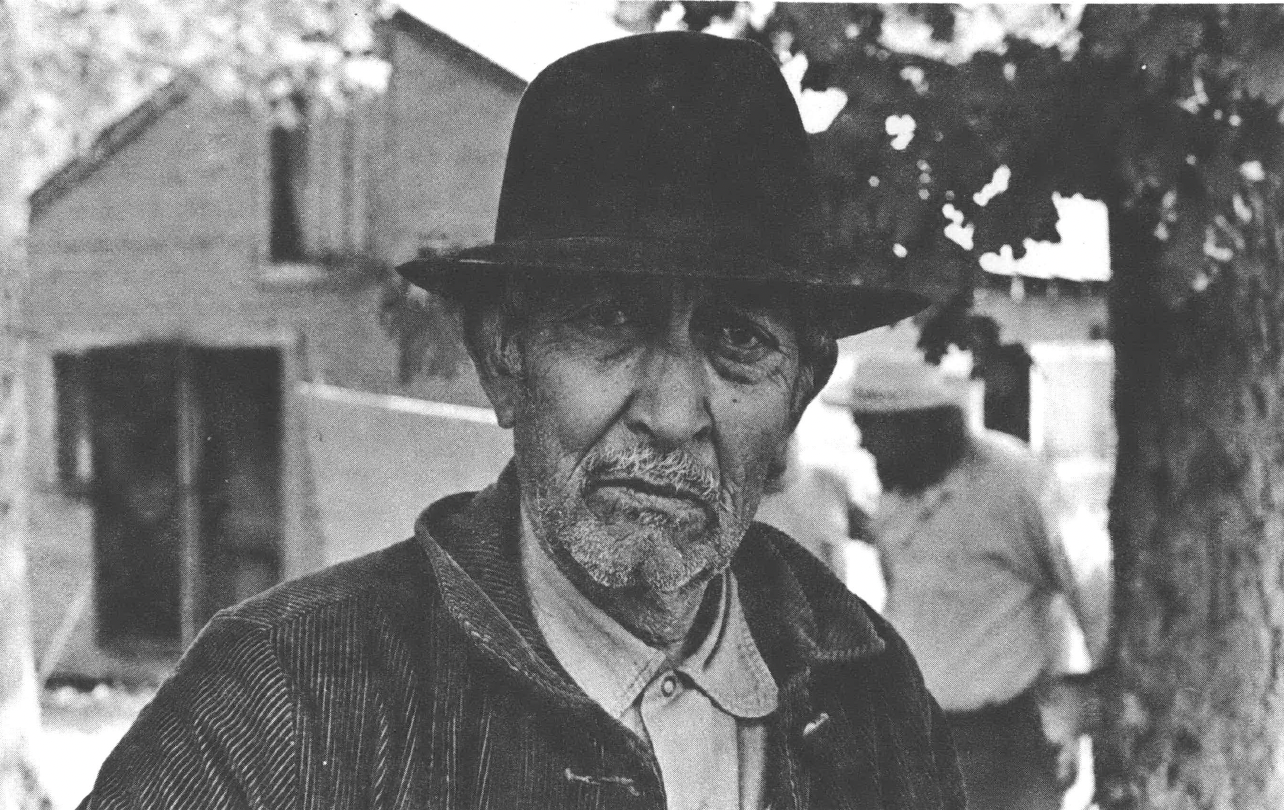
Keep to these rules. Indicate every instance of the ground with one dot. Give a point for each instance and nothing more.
(79, 729)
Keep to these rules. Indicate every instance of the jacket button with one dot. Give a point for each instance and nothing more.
(669, 685)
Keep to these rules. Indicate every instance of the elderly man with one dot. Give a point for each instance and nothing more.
(605, 626)
(975, 566)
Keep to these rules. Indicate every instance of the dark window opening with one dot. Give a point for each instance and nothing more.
(1007, 390)
(137, 493)
(179, 450)
(286, 146)
(75, 457)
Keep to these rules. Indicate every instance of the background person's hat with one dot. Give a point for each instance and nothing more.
(675, 154)
(896, 383)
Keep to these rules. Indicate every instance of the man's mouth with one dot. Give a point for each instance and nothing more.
(657, 493)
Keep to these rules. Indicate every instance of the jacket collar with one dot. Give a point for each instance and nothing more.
(799, 615)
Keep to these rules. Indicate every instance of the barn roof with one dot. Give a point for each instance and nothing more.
(110, 140)
(518, 36)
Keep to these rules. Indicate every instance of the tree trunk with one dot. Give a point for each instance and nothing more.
(1194, 710)
(19, 706)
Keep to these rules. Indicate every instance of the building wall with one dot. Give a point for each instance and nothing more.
(167, 239)
(159, 237)
(1044, 319)
(450, 113)
(154, 244)
(378, 460)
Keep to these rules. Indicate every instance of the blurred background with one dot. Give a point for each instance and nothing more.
(216, 383)
(227, 391)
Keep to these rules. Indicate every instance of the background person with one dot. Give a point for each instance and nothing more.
(976, 571)
(828, 492)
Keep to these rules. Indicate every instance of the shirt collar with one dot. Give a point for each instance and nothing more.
(727, 665)
(613, 666)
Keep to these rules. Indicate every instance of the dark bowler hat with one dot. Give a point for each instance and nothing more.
(669, 154)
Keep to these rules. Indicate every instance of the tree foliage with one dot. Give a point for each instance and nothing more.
(1170, 109)
(72, 65)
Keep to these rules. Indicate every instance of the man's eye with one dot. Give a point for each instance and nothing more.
(740, 336)
(607, 315)
(741, 339)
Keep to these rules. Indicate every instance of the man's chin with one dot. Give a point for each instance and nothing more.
(656, 580)
(621, 546)
(649, 558)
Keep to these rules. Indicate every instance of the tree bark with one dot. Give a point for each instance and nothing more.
(1194, 711)
(19, 695)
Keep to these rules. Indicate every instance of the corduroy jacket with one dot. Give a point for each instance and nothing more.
(415, 677)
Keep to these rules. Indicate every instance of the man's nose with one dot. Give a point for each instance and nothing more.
(670, 402)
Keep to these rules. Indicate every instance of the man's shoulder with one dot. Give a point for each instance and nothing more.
(834, 608)
(802, 562)
(998, 456)
(998, 447)
(851, 637)
(379, 580)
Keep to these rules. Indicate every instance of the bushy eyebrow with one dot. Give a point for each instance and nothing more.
(764, 305)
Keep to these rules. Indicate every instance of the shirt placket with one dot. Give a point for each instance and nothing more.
(689, 736)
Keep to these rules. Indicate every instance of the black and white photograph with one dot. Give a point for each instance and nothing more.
(641, 404)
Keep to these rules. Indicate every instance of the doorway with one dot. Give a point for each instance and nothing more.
(185, 481)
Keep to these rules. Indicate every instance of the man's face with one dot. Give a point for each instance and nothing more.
(911, 449)
(889, 437)
(646, 421)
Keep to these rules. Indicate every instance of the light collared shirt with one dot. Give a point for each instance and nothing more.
(704, 719)
(975, 565)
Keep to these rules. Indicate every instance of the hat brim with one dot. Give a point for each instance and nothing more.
(842, 304)
(953, 395)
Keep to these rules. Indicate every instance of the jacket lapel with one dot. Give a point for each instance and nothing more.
(471, 541)
(815, 637)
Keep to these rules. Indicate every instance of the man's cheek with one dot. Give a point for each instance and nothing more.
(749, 476)
(579, 407)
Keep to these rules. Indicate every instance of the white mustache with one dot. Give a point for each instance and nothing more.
(675, 469)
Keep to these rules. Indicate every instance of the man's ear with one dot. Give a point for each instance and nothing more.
(812, 380)
(493, 344)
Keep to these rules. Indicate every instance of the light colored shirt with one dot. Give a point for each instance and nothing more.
(704, 719)
(975, 568)
(829, 476)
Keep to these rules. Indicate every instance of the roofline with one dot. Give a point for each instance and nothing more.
(125, 130)
(111, 140)
(570, 28)
(417, 27)
(130, 126)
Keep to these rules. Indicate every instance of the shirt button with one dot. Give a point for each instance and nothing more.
(669, 685)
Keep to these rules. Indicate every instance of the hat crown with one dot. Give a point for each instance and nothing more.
(662, 137)
(892, 383)
(674, 154)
